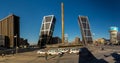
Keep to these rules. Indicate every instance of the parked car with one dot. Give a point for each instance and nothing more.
(63, 50)
(54, 52)
(74, 50)
(41, 52)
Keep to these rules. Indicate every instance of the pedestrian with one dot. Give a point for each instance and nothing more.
(102, 48)
(12, 53)
(3, 55)
(46, 55)
(61, 54)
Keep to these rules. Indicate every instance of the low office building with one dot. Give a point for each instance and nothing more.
(23, 43)
(76, 41)
(55, 40)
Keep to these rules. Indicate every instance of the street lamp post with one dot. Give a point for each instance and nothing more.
(16, 44)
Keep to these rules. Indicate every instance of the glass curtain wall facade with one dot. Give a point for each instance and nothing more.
(85, 29)
(46, 30)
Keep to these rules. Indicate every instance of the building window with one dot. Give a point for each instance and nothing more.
(48, 19)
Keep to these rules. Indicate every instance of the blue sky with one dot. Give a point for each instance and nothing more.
(101, 13)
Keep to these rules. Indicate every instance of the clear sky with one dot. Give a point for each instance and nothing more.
(101, 13)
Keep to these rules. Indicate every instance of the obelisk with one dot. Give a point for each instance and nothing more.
(62, 15)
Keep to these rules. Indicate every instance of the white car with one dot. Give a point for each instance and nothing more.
(63, 50)
(53, 52)
(41, 52)
(74, 50)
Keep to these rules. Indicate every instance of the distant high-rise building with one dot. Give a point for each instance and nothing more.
(9, 27)
(85, 29)
(113, 35)
(118, 36)
(46, 30)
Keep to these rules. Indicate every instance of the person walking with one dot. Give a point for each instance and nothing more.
(46, 55)
(12, 53)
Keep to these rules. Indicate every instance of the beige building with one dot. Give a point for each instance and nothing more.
(99, 41)
(2, 41)
(76, 41)
(113, 34)
(10, 27)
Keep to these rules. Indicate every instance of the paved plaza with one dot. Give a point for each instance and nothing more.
(32, 57)
(109, 55)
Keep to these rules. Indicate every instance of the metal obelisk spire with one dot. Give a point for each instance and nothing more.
(62, 15)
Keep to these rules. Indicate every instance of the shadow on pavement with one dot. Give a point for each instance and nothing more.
(40, 56)
(85, 56)
(116, 57)
(52, 57)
